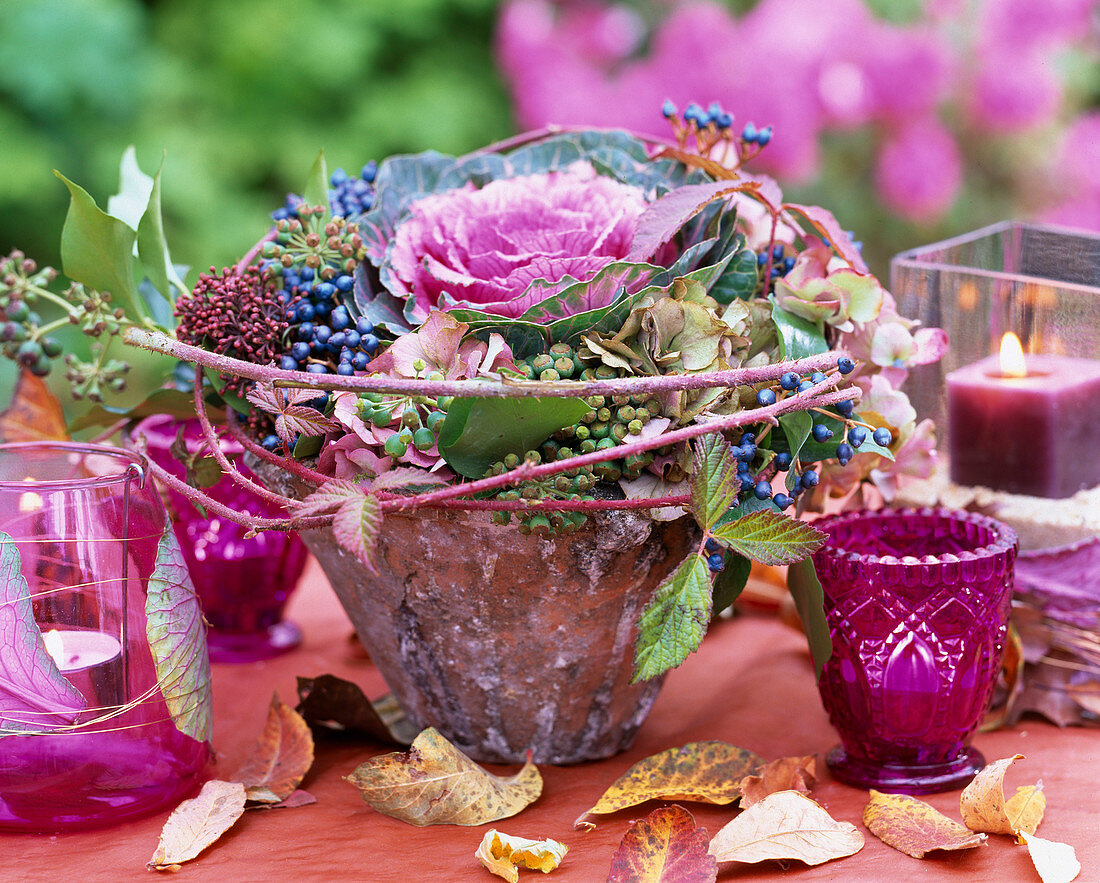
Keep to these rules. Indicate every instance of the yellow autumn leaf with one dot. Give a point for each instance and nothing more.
(785, 825)
(433, 783)
(984, 808)
(196, 823)
(502, 853)
(708, 772)
(915, 827)
(1055, 862)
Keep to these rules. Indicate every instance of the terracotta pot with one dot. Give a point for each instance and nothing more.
(505, 642)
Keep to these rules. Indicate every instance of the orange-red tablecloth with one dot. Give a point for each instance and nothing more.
(750, 684)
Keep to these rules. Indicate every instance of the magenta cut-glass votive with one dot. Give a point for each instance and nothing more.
(105, 707)
(244, 582)
(918, 604)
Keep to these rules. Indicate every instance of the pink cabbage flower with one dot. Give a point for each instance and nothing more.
(483, 248)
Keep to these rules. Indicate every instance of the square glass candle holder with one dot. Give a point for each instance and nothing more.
(1043, 284)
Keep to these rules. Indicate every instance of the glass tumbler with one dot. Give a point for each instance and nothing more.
(244, 582)
(918, 605)
(104, 680)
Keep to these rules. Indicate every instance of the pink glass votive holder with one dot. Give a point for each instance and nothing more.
(244, 582)
(918, 606)
(105, 703)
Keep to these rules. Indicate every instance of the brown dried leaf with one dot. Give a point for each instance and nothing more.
(709, 772)
(298, 798)
(914, 827)
(664, 847)
(1055, 862)
(341, 706)
(786, 825)
(502, 853)
(280, 759)
(784, 774)
(433, 783)
(984, 808)
(34, 413)
(195, 824)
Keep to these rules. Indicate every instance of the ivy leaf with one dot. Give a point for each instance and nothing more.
(714, 481)
(798, 337)
(730, 582)
(809, 600)
(177, 639)
(356, 527)
(98, 250)
(770, 537)
(738, 280)
(673, 625)
(315, 191)
(480, 431)
(33, 692)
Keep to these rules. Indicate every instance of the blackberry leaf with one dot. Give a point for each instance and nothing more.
(770, 537)
(673, 624)
(356, 526)
(714, 482)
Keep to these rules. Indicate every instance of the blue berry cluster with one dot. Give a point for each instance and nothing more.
(760, 137)
(695, 115)
(349, 195)
(782, 264)
(325, 338)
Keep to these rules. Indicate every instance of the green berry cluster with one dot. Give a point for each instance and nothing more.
(418, 419)
(574, 484)
(329, 247)
(23, 337)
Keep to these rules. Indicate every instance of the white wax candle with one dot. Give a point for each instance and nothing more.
(76, 650)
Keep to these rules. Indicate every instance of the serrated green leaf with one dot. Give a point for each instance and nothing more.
(770, 537)
(714, 481)
(98, 250)
(356, 528)
(747, 506)
(673, 625)
(315, 191)
(730, 582)
(333, 494)
(480, 431)
(798, 337)
(809, 599)
(177, 640)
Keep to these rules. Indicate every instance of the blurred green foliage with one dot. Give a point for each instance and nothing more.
(237, 96)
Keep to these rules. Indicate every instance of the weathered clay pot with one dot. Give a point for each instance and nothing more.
(505, 642)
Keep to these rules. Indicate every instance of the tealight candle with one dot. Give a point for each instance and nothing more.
(90, 661)
(1025, 424)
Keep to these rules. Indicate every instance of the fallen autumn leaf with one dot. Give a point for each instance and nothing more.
(433, 783)
(708, 772)
(664, 847)
(280, 758)
(501, 854)
(783, 774)
(984, 808)
(34, 414)
(1055, 862)
(786, 825)
(341, 706)
(915, 827)
(196, 823)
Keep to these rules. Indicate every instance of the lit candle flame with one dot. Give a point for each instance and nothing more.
(29, 501)
(55, 646)
(1012, 357)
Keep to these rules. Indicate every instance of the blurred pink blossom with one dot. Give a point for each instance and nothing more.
(919, 169)
(1014, 88)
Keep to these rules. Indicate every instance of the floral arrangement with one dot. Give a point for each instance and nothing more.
(565, 323)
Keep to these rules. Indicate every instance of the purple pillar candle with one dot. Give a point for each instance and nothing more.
(1036, 434)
